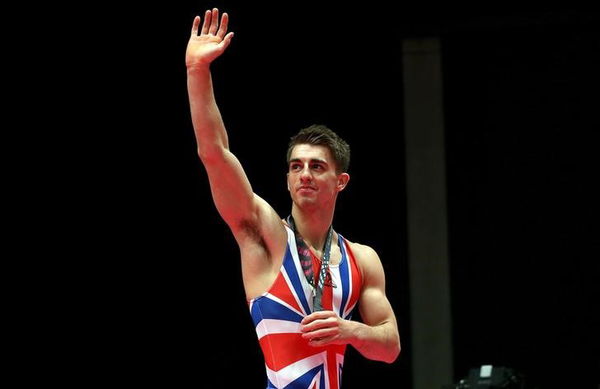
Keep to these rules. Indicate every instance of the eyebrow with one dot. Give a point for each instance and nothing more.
(313, 160)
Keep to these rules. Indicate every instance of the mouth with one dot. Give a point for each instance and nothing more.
(306, 189)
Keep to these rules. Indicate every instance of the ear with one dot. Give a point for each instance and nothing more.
(342, 181)
(287, 181)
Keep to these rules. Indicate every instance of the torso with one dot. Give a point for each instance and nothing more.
(262, 259)
(278, 311)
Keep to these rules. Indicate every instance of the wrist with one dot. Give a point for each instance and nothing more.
(357, 333)
(197, 67)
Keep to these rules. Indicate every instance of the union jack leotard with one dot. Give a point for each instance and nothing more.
(290, 362)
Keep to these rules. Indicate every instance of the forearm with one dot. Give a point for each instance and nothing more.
(209, 129)
(380, 342)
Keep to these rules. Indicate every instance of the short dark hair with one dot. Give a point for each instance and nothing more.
(320, 135)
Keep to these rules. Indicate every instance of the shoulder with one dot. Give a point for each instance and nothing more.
(369, 263)
(364, 255)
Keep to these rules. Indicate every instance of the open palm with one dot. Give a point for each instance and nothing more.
(212, 41)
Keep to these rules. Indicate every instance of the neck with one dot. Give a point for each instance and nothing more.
(313, 226)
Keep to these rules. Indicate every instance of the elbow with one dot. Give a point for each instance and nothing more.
(394, 352)
(210, 155)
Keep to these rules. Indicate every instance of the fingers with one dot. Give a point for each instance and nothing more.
(320, 328)
(319, 342)
(211, 24)
(223, 26)
(321, 333)
(316, 316)
(214, 23)
(318, 322)
(323, 337)
(207, 20)
(195, 26)
(227, 40)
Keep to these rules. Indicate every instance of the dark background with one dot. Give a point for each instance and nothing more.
(151, 273)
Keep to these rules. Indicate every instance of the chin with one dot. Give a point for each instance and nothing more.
(304, 202)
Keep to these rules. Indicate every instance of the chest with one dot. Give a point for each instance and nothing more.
(335, 255)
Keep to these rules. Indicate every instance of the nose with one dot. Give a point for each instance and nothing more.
(305, 174)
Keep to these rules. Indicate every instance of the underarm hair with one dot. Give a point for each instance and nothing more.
(252, 231)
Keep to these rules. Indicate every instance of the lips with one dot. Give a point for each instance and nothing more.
(306, 189)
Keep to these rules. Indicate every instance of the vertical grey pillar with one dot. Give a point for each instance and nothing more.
(431, 327)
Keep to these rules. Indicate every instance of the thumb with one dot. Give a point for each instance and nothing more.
(226, 41)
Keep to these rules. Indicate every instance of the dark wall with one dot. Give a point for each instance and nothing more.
(522, 132)
(157, 283)
(285, 69)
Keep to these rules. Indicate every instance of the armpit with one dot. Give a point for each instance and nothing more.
(251, 231)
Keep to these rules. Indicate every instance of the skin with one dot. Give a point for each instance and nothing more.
(314, 185)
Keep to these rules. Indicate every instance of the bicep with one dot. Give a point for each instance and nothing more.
(374, 306)
(246, 213)
(230, 188)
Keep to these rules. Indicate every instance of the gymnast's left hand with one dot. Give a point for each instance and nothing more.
(326, 327)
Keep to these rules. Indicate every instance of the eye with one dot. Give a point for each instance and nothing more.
(317, 166)
(295, 166)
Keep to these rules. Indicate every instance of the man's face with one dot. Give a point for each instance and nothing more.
(312, 179)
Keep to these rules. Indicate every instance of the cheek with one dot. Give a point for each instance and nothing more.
(289, 181)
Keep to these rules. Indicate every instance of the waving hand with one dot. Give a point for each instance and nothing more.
(212, 41)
